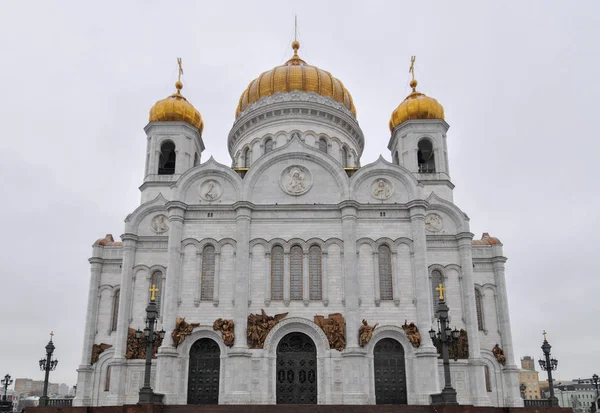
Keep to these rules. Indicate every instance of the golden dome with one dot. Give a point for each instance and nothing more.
(295, 74)
(176, 108)
(416, 106)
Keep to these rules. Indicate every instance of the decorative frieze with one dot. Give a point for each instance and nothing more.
(182, 330)
(259, 326)
(365, 333)
(412, 332)
(334, 328)
(226, 327)
(98, 349)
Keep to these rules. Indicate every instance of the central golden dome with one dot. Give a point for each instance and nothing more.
(295, 74)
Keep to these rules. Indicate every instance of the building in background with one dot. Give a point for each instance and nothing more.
(578, 396)
(530, 378)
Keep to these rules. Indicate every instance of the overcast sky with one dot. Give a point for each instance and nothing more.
(518, 81)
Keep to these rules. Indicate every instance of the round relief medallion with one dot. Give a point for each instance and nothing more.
(160, 224)
(434, 223)
(381, 189)
(296, 180)
(210, 190)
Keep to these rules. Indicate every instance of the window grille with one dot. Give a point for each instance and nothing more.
(479, 307)
(315, 276)
(296, 276)
(268, 145)
(208, 273)
(436, 280)
(277, 273)
(385, 273)
(156, 280)
(323, 145)
(115, 311)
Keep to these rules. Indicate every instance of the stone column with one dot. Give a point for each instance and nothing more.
(479, 396)
(324, 279)
(305, 279)
(286, 278)
(268, 278)
(426, 369)
(510, 372)
(118, 368)
(395, 271)
(376, 280)
(216, 279)
(84, 378)
(237, 371)
(167, 354)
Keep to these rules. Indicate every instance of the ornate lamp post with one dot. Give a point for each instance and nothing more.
(7, 382)
(549, 365)
(446, 336)
(149, 337)
(595, 382)
(47, 365)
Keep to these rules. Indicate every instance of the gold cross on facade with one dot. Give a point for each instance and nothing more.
(153, 290)
(544, 333)
(180, 69)
(412, 67)
(441, 289)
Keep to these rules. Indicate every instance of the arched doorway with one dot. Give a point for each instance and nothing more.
(390, 372)
(203, 377)
(296, 370)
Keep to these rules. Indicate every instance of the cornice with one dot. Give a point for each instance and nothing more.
(282, 106)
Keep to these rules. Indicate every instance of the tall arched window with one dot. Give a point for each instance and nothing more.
(479, 307)
(156, 280)
(247, 158)
(396, 158)
(385, 273)
(315, 275)
(488, 381)
(268, 145)
(166, 159)
(436, 280)
(425, 159)
(107, 379)
(207, 285)
(115, 311)
(277, 273)
(345, 157)
(323, 145)
(296, 273)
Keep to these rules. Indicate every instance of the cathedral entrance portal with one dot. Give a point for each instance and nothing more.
(296, 370)
(203, 378)
(390, 372)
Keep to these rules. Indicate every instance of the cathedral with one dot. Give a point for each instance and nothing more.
(296, 274)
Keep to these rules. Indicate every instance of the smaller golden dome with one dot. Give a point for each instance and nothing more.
(416, 106)
(176, 108)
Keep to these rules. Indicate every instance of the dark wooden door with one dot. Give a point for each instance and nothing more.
(390, 372)
(296, 370)
(203, 378)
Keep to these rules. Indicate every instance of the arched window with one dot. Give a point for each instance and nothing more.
(166, 159)
(268, 145)
(156, 280)
(115, 311)
(315, 273)
(345, 157)
(277, 273)
(425, 160)
(196, 159)
(436, 280)
(385, 273)
(479, 307)
(396, 158)
(296, 274)
(488, 381)
(207, 285)
(247, 158)
(323, 145)
(107, 379)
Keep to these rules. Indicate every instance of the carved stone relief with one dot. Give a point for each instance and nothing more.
(296, 180)
(210, 190)
(98, 349)
(160, 224)
(434, 222)
(499, 354)
(226, 329)
(259, 326)
(365, 333)
(136, 349)
(182, 330)
(412, 332)
(334, 328)
(381, 189)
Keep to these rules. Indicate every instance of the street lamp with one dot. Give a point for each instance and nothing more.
(7, 382)
(446, 336)
(522, 387)
(47, 365)
(595, 383)
(149, 337)
(548, 365)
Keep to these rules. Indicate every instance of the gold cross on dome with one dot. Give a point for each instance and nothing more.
(153, 290)
(544, 333)
(180, 69)
(441, 289)
(412, 66)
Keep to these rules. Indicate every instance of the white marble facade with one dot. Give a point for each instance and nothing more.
(293, 193)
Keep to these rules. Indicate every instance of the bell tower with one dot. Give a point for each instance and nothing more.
(418, 140)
